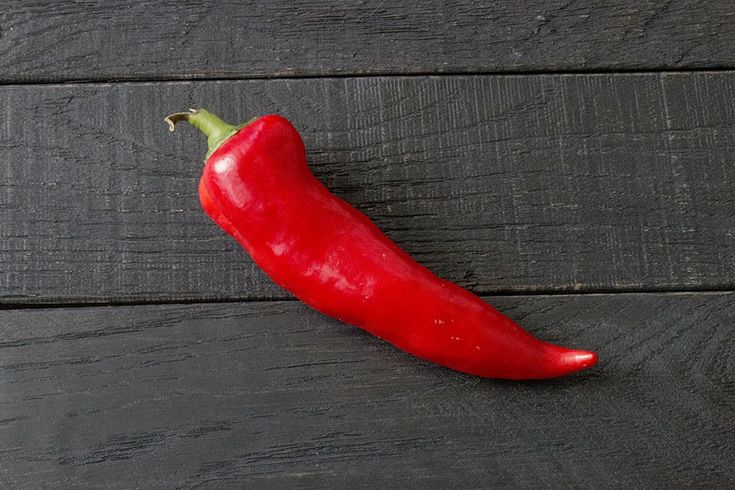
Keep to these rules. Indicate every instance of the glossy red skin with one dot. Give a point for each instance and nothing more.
(258, 188)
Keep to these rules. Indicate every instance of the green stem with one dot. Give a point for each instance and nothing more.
(216, 130)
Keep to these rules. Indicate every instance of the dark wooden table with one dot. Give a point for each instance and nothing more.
(571, 162)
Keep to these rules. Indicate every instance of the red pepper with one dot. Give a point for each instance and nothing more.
(257, 186)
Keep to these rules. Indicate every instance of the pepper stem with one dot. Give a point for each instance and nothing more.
(216, 130)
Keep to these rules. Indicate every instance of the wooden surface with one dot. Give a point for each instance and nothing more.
(274, 395)
(573, 160)
(523, 183)
(129, 39)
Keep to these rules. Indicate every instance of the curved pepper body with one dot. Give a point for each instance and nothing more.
(257, 186)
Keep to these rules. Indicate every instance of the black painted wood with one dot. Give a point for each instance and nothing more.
(522, 183)
(274, 395)
(54, 41)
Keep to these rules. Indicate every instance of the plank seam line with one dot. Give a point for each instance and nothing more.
(418, 74)
(203, 301)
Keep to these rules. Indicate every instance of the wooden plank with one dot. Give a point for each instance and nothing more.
(274, 395)
(58, 41)
(522, 183)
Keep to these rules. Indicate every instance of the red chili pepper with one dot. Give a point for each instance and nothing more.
(257, 186)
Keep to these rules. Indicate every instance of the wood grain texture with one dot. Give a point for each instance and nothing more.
(55, 41)
(522, 183)
(274, 395)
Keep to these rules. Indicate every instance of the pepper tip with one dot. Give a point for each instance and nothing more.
(578, 360)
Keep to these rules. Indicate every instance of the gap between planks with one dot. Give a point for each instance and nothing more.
(290, 76)
(192, 301)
